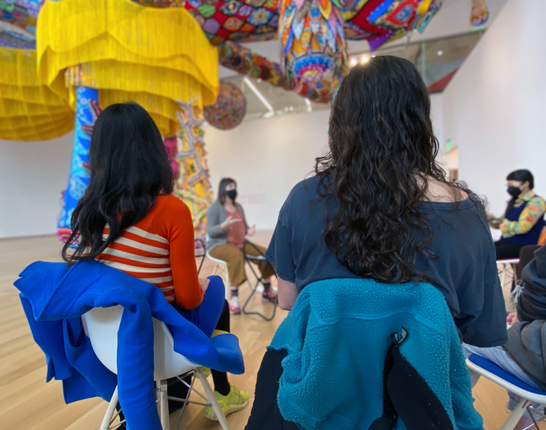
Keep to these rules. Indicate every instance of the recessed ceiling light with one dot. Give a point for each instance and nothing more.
(364, 59)
(440, 53)
(353, 62)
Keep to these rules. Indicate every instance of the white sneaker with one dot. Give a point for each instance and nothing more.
(234, 307)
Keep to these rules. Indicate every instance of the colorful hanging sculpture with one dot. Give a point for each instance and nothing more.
(193, 185)
(245, 20)
(243, 61)
(479, 14)
(18, 18)
(382, 21)
(313, 41)
(230, 108)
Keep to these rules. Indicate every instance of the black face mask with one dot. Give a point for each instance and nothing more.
(514, 191)
(232, 194)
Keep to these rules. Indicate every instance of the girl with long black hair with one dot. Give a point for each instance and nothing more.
(523, 219)
(128, 220)
(380, 207)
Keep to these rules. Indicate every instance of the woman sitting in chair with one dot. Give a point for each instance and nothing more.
(380, 207)
(523, 219)
(523, 355)
(226, 231)
(128, 220)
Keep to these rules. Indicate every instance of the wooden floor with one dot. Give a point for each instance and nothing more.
(28, 403)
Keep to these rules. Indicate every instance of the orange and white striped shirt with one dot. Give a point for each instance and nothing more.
(159, 249)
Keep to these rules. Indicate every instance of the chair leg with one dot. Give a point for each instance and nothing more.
(163, 404)
(110, 411)
(215, 269)
(228, 285)
(212, 399)
(516, 415)
(503, 277)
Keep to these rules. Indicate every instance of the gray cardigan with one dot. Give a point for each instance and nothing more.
(527, 339)
(216, 215)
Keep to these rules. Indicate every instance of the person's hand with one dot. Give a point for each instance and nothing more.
(229, 222)
(495, 223)
(512, 318)
(252, 230)
(204, 282)
(503, 225)
(490, 216)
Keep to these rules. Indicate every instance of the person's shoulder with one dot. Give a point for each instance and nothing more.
(305, 188)
(169, 205)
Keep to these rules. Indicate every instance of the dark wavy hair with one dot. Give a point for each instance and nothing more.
(521, 175)
(381, 159)
(129, 169)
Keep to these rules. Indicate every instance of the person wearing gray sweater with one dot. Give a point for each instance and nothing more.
(227, 229)
(524, 354)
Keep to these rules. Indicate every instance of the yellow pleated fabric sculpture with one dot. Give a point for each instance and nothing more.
(155, 57)
(29, 110)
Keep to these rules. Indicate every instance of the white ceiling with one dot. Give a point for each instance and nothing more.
(452, 19)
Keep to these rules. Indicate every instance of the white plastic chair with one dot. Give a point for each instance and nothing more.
(528, 394)
(101, 325)
(505, 264)
(222, 269)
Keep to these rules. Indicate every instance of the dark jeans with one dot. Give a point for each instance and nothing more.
(506, 250)
(265, 413)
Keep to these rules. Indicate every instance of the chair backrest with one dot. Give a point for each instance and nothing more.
(101, 325)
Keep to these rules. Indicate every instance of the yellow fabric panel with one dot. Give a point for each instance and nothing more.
(13, 108)
(20, 122)
(129, 47)
(29, 110)
(35, 94)
(48, 129)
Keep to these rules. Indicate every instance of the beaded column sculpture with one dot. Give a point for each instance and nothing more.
(193, 185)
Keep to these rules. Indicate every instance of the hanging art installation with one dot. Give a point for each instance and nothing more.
(230, 108)
(165, 57)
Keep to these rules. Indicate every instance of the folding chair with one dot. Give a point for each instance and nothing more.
(249, 259)
(509, 382)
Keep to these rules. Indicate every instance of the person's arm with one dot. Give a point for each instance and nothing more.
(241, 210)
(287, 294)
(214, 226)
(534, 210)
(187, 288)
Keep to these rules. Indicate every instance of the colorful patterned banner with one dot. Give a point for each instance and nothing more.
(87, 111)
(193, 186)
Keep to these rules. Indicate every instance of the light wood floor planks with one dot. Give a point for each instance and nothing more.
(28, 403)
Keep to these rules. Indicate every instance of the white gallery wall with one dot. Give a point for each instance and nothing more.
(267, 157)
(494, 109)
(32, 175)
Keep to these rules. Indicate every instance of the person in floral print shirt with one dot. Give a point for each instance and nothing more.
(523, 220)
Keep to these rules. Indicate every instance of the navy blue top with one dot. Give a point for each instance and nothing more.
(466, 272)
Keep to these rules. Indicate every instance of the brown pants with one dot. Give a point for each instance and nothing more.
(235, 260)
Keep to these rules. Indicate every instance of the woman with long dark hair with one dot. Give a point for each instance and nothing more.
(380, 207)
(226, 240)
(128, 220)
(523, 219)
